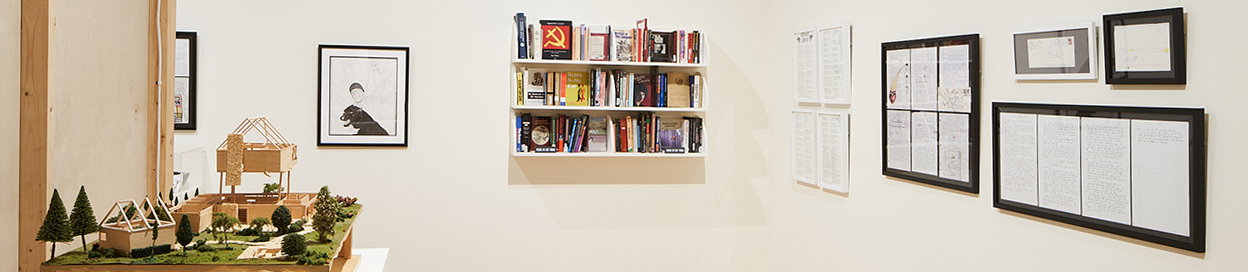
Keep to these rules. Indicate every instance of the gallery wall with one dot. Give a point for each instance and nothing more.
(887, 224)
(10, 101)
(454, 199)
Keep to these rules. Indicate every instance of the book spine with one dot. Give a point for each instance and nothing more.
(519, 145)
(520, 86)
(522, 36)
(563, 88)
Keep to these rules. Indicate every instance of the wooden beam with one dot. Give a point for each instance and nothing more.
(168, 19)
(35, 155)
(160, 46)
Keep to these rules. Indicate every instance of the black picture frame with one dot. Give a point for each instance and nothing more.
(971, 173)
(1196, 120)
(1081, 38)
(375, 116)
(1115, 31)
(185, 82)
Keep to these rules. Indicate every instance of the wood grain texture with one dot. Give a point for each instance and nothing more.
(35, 140)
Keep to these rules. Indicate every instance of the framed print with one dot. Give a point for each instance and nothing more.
(1146, 47)
(930, 103)
(805, 142)
(834, 61)
(833, 137)
(805, 67)
(184, 78)
(1067, 52)
(362, 95)
(1133, 171)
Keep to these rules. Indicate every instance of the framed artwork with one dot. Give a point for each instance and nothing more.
(185, 66)
(362, 95)
(1146, 47)
(833, 137)
(930, 103)
(834, 64)
(805, 144)
(805, 67)
(1138, 172)
(1066, 52)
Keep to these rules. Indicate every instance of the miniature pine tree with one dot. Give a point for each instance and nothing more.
(55, 227)
(326, 214)
(281, 219)
(184, 233)
(293, 245)
(82, 219)
(187, 196)
(196, 191)
(155, 233)
(171, 195)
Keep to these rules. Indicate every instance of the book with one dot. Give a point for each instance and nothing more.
(535, 41)
(522, 35)
(576, 43)
(598, 46)
(623, 48)
(597, 134)
(526, 130)
(643, 90)
(534, 87)
(660, 46)
(697, 47)
(577, 89)
(562, 88)
(520, 86)
(541, 134)
(550, 89)
(670, 138)
(678, 91)
(695, 87)
(556, 36)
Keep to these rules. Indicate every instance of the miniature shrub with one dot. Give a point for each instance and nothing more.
(293, 245)
(264, 237)
(247, 232)
(313, 258)
(109, 252)
(281, 219)
(204, 248)
(94, 254)
(297, 226)
(150, 251)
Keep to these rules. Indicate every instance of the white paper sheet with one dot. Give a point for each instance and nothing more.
(834, 151)
(954, 99)
(899, 140)
(804, 145)
(1017, 138)
(182, 57)
(182, 100)
(1058, 172)
(1160, 176)
(805, 67)
(1106, 168)
(834, 64)
(955, 68)
(1055, 52)
(955, 153)
(897, 78)
(1142, 47)
(924, 155)
(923, 78)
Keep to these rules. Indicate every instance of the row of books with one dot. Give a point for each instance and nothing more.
(645, 133)
(563, 40)
(607, 88)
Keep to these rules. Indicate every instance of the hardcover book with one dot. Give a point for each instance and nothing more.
(660, 46)
(670, 138)
(535, 87)
(598, 46)
(577, 89)
(597, 134)
(522, 35)
(678, 90)
(541, 135)
(556, 39)
(643, 90)
(526, 130)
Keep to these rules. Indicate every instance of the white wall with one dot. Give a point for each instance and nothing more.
(887, 224)
(10, 103)
(454, 200)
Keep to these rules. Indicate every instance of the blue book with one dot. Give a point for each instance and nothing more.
(522, 36)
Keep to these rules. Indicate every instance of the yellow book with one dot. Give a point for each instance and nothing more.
(577, 89)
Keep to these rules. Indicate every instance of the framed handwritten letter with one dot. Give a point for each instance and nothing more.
(930, 103)
(1066, 52)
(1147, 47)
(1132, 171)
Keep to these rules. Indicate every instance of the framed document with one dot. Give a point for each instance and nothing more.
(184, 80)
(362, 93)
(1133, 171)
(1147, 47)
(1066, 52)
(805, 67)
(930, 103)
(834, 64)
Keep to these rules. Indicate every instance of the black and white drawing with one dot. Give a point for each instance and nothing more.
(363, 95)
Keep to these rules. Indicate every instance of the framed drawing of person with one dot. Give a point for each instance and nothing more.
(362, 93)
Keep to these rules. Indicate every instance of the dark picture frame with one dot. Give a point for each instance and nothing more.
(1059, 53)
(185, 81)
(1136, 51)
(362, 95)
(1092, 215)
(955, 103)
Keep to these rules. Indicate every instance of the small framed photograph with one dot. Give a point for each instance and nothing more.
(1146, 47)
(184, 75)
(362, 95)
(1056, 53)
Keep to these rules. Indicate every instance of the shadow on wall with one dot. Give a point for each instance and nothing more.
(605, 171)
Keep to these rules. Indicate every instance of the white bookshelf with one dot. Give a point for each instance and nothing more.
(608, 111)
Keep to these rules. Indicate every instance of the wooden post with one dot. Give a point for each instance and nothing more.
(35, 153)
(160, 54)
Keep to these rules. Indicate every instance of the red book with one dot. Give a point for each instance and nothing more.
(556, 39)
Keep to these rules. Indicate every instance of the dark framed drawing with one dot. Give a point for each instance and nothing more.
(362, 93)
(185, 68)
(930, 104)
(1146, 47)
(1056, 53)
(1138, 172)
